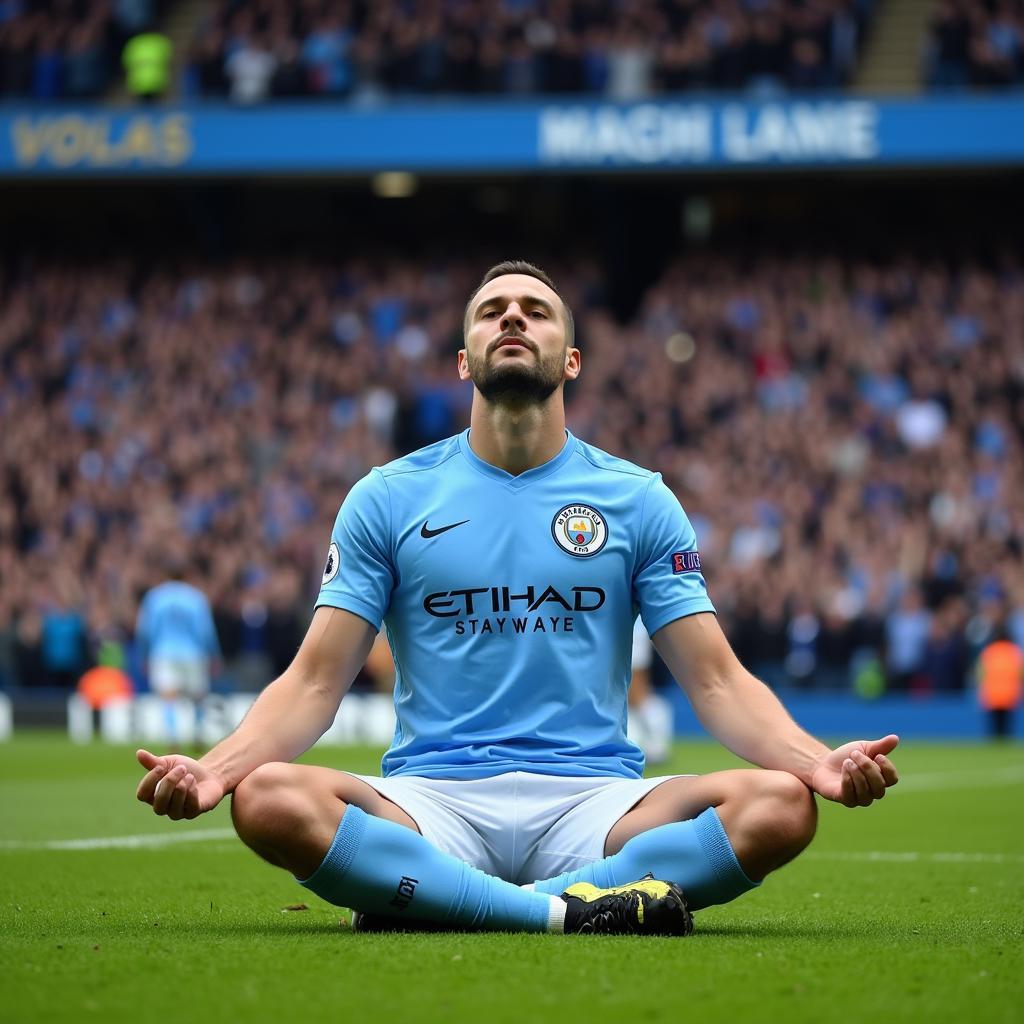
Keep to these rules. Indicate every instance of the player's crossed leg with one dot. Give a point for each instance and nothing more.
(376, 861)
(716, 836)
(354, 848)
(768, 816)
(289, 813)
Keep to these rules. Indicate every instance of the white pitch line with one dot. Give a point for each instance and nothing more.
(967, 779)
(914, 857)
(147, 841)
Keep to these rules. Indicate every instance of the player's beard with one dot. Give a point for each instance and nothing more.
(516, 382)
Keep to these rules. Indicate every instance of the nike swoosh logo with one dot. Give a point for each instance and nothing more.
(426, 533)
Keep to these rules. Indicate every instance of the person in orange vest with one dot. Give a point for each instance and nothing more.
(102, 684)
(1000, 670)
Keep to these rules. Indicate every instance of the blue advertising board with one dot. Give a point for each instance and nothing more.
(681, 134)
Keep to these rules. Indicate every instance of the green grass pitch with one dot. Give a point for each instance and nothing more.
(906, 911)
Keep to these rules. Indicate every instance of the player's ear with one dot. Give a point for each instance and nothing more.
(463, 365)
(572, 363)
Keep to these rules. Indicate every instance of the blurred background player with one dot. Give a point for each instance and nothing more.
(650, 715)
(176, 638)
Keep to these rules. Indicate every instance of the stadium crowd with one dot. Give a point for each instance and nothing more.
(846, 437)
(254, 49)
(977, 43)
(67, 49)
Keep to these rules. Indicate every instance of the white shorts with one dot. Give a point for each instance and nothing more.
(519, 826)
(188, 677)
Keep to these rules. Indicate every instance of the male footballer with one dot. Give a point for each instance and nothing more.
(508, 565)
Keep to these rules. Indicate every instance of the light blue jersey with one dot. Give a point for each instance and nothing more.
(509, 603)
(175, 621)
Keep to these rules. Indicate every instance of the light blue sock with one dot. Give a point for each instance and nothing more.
(379, 867)
(696, 855)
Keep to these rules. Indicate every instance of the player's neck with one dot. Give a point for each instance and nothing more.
(517, 439)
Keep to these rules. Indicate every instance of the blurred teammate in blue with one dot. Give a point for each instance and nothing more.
(176, 638)
(508, 565)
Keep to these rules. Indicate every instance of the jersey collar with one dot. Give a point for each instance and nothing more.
(537, 473)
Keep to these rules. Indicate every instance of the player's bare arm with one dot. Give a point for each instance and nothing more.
(744, 715)
(286, 720)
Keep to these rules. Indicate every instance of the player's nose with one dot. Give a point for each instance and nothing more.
(513, 318)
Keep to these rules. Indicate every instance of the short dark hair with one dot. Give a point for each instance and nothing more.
(527, 270)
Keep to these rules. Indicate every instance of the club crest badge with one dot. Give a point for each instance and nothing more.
(579, 529)
(331, 568)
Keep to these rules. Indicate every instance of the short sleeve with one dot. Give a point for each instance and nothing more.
(667, 582)
(359, 574)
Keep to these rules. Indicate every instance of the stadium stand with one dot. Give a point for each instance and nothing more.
(256, 50)
(67, 49)
(845, 434)
(264, 48)
(976, 43)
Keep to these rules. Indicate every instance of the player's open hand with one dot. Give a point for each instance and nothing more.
(178, 786)
(856, 774)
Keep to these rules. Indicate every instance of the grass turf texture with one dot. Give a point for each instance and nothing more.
(907, 911)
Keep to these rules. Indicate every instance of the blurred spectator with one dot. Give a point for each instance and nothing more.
(807, 66)
(907, 631)
(835, 648)
(630, 64)
(48, 65)
(1000, 675)
(287, 617)
(29, 667)
(949, 40)
(325, 55)
(289, 74)
(147, 65)
(205, 74)
(921, 421)
(63, 644)
(133, 16)
(250, 70)
(17, 56)
(945, 657)
(978, 43)
(104, 684)
(84, 63)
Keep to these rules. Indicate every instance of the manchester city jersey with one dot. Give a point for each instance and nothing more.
(509, 603)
